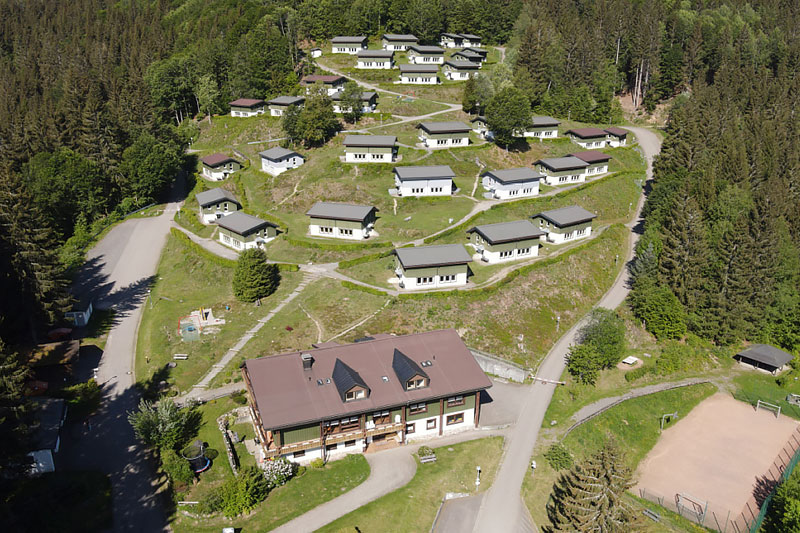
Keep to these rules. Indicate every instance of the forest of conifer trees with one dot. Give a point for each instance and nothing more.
(98, 98)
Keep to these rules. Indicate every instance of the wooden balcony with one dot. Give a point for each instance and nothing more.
(387, 428)
(293, 447)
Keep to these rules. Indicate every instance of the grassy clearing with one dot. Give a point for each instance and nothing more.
(566, 286)
(186, 282)
(413, 507)
(404, 107)
(635, 426)
(68, 502)
(752, 386)
(331, 305)
(226, 131)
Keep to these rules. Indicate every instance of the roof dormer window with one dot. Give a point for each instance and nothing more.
(416, 383)
(355, 394)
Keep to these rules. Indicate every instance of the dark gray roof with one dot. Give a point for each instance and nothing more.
(420, 49)
(422, 69)
(480, 51)
(462, 65)
(215, 196)
(287, 100)
(366, 96)
(471, 36)
(538, 122)
(445, 127)
(345, 378)
(49, 413)
(567, 216)
(243, 224)
(518, 230)
(381, 54)
(384, 141)
(405, 368)
(424, 172)
(557, 164)
(340, 211)
(400, 37)
(769, 355)
(277, 153)
(514, 175)
(452, 35)
(466, 52)
(429, 256)
(345, 39)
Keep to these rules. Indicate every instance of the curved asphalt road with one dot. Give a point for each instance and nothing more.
(119, 270)
(502, 509)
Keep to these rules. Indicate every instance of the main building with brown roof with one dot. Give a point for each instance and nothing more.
(342, 399)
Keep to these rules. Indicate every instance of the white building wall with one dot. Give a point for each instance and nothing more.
(351, 49)
(588, 144)
(358, 234)
(426, 60)
(350, 157)
(512, 190)
(395, 47)
(424, 187)
(209, 218)
(560, 238)
(544, 134)
(455, 75)
(578, 177)
(411, 283)
(375, 64)
(494, 257)
(597, 170)
(214, 175)
(614, 142)
(276, 112)
(236, 244)
(337, 108)
(419, 79)
(449, 141)
(251, 113)
(278, 167)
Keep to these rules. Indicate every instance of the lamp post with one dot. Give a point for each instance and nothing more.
(558, 323)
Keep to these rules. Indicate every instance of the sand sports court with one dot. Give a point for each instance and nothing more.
(716, 454)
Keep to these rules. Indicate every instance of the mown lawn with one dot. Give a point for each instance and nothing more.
(634, 424)
(413, 507)
(186, 282)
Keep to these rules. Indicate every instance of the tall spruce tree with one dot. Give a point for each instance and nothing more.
(253, 277)
(590, 496)
(13, 428)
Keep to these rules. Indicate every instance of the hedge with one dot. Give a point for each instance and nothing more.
(365, 259)
(464, 226)
(368, 290)
(336, 247)
(214, 258)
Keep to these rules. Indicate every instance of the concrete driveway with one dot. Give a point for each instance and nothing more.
(119, 271)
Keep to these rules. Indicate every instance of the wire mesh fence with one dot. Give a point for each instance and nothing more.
(749, 520)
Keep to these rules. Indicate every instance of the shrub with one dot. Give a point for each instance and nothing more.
(176, 467)
(239, 397)
(164, 425)
(425, 451)
(278, 472)
(254, 278)
(606, 331)
(318, 463)
(638, 373)
(558, 457)
(83, 398)
(584, 363)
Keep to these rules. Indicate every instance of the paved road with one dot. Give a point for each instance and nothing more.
(389, 471)
(502, 508)
(120, 268)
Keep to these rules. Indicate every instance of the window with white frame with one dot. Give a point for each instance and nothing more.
(417, 190)
(425, 280)
(416, 408)
(524, 251)
(513, 192)
(506, 254)
(355, 394)
(359, 156)
(568, 235)
(416, 383)
(437, 189)
(447, 278)
(441, 141)
(326, 229)
(455, 400)
(580, 232)
(226, 238)
(529, 190)
(345, 231)
(563, 179)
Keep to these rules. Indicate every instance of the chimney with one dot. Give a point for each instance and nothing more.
(308, 360)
